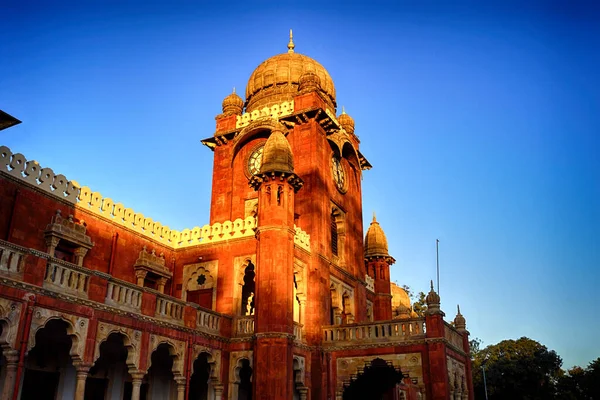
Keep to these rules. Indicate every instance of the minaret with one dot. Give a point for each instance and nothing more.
(274, 324)
(378, 261)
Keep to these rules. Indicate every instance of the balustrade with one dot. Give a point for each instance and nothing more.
(208, 321)
(169, 308)
(387, 331)
(11, 259)
(124, 295)
(68, 277)
(244, 326)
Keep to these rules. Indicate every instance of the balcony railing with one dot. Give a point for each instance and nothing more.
(244, 326)
(208, 321)
(386, 331)
(169, 308)
(124, 294)
(11, 259)
(67, 277)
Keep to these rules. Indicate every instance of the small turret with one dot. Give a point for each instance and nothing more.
(233, 104)
(277, 155)
(460, 323)
(346, 121)
(433, 301)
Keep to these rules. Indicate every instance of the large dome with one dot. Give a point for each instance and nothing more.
(276, 80)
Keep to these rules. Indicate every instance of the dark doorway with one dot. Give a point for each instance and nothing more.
(245, 387)
(377, 381)
(50, 355)
(199, 379)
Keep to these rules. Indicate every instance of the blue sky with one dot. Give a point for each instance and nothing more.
(481, 123)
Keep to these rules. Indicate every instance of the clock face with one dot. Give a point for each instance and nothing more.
(339, 175)
(255, 160)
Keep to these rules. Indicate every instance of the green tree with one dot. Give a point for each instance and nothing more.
(516, 369)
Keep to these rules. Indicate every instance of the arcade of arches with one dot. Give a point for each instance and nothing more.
(282, 294)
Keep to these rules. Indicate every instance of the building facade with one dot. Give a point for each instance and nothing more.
(279, 296)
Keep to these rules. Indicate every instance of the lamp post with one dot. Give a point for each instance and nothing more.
(484, 382)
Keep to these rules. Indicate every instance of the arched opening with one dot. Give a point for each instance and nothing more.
(245, 381)
(109, 376)
(49, 371)
(3, 361)
(334, 309)
(247, 306)
(200, 385)
(378, 380)
(161, 384)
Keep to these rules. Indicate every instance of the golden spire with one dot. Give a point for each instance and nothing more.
(374, 217)
(291, 43)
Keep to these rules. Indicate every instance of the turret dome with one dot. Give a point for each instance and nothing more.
(277, 154)
(346, 121)
(375, 241)
(233, 104)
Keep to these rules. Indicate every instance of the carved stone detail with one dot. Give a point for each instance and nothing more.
(132, 341)
(300, 368)
(235, 365)
(70, 231)
(77, 328)
(10, 313)
(176, 349)
(409, 363)
(214, 360)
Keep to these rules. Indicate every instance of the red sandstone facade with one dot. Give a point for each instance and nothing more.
(279, 297)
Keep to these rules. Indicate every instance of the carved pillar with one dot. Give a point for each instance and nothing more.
(51, 243)
(218, 392)
(140, 275)
(303, 391)
(160, 284)
(82, 373)
(136, 382)
(80, 252)
(12, 361)
(180, 388)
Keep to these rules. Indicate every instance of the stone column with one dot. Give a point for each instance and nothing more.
(136, 382)
(80, 252)
(180, 388)
(12, 361)
(161, 284)
(51, 243)
(218, 392)
(140, 275)
(82, 373)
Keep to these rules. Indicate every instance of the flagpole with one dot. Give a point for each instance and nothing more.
(437, 255)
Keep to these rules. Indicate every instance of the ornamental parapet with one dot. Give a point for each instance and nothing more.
(453, 336)
(274, 112)
(374, 333)
(73, 283)
(30, 172)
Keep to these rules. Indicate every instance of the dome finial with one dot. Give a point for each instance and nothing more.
(291, 43)
(374, 217)
(343, 110)
(233, 90)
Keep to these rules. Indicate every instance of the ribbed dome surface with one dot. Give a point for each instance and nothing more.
(346, 121)
(233, 104)
(375, 241)
(276, 80)
(277, 154)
